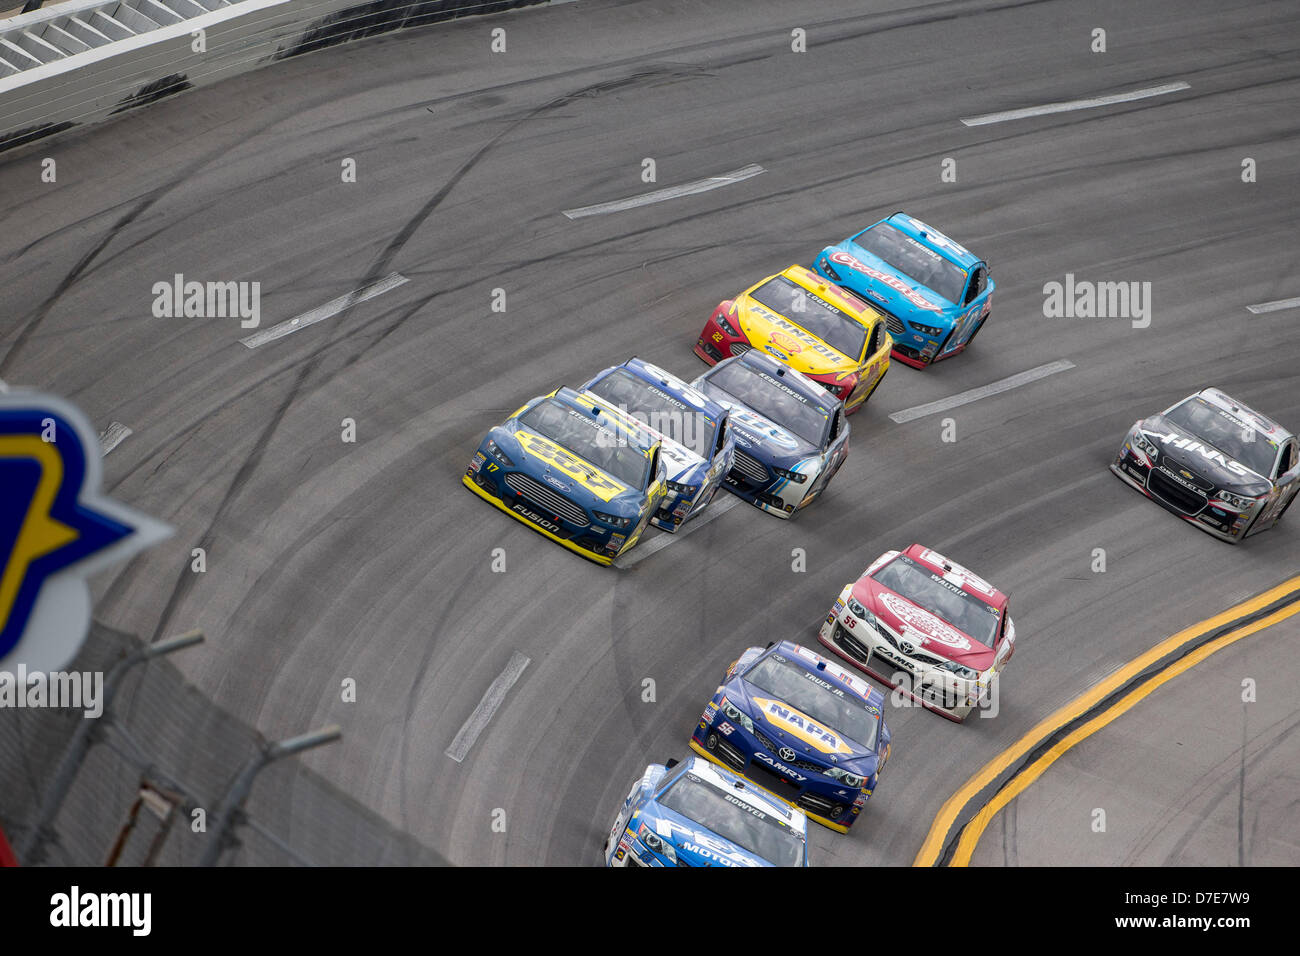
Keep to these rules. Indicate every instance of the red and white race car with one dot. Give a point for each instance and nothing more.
(918, 622)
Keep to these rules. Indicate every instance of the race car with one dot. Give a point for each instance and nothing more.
(696, 445)
(801, 727)
(935, 294)
(580, 473)
(791, 434)
(697, 814)
(1214, 462)
(812, 325)
(925, 625)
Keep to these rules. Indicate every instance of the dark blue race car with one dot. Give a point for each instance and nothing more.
(579, 472)
(791, 434)
(801, 726)
(697, 447)
(696, 814)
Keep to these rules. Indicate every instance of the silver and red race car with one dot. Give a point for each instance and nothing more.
(926, 626)
(1214, 462)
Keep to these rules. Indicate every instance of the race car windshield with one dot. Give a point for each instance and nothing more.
(837, 329)
(654, 407)
(731, 818)
(926, 589)
(836, 710)
(914, 260)
(1233, 437)
(605, 446)
(774, 401)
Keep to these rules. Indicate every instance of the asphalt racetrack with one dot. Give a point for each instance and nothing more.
(329, 560)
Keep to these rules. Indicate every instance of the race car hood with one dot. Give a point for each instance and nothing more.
(915, 624)
(782, 337)
(789, 727)
(1209, 468)
(885, 285)
(695, 845)
(581, 481)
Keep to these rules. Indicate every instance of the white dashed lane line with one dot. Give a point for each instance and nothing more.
(984, 391)
(1275, 306)
(671, 192)
(487, 707)
(323, 312)
(112, 436)
(1069, 105)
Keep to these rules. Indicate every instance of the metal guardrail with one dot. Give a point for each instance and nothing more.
(30, 40)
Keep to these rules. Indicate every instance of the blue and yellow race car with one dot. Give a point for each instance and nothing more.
(936, 295)
(800, 726)
(697, 446)
(697, 814)
(577, 471)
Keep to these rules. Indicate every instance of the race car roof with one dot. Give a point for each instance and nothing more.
(954, 573)
(726, 781)
(677, 387)
(932, 238)
(607, 416)
(792, 378)
(1261, 423)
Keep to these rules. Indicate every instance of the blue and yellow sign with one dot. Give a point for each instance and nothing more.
(55, 529)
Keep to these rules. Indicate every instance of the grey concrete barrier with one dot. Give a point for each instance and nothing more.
(82, 61)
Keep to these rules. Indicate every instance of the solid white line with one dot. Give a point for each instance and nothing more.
(1277, 306)
(671, 192)
(483, 713)
(323, 312)
(984, 391)
(643, 551)
(1075, 104)
(112, 436)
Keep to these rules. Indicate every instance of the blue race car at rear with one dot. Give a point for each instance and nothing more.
(576, 471)
(697, 446)
(696, 814)
(936, 295)
(800, 726)
(791, 433)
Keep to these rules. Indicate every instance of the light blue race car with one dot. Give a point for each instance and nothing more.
(699, 814)
(697, 446)
(936, 295)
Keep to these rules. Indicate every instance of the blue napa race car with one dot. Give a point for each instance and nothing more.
(802, 727)
(696, 814)
(935, 294)
(581, 473)
(696, 444)
(791, 434)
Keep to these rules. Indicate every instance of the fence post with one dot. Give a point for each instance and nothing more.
(232, 802)
(31, 848)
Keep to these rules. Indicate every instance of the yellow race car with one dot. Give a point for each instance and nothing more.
(810, 324)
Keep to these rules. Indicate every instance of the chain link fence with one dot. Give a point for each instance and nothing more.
(123, 789)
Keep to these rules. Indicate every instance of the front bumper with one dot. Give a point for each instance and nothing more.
(594, 542)
(1203, 510)
(933, 687)
(755, 482)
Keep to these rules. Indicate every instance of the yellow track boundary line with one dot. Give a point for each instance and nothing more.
(970, 836)
(932, 846)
